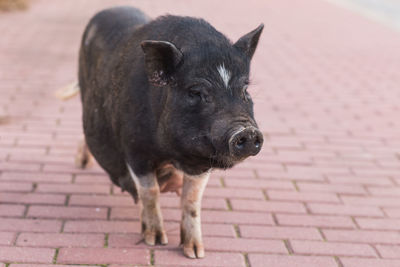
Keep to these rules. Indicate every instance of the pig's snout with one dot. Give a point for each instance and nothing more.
(245, 142)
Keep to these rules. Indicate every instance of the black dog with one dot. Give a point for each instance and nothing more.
(164, 102)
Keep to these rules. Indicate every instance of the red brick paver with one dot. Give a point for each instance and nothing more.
(20, 254)
(260, 260)
(47, 265)
(324, 191)
(56, 240)
(103, 256)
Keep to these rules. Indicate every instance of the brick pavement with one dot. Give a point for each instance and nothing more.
(325, 190)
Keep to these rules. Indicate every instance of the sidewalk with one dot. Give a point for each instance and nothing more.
(324, 191)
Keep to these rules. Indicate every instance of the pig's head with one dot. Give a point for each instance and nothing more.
(207, 118)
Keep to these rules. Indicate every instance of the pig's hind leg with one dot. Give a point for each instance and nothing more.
(83, 157)
(150, 212)
(192, 193)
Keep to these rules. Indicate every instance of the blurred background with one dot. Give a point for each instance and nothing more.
(324, 191)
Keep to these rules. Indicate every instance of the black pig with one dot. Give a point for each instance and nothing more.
(164, 102)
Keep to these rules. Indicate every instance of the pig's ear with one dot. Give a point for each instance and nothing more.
(248, 43)
(161, 59)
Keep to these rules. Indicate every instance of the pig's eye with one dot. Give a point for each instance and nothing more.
(199, 94)
(194, 93)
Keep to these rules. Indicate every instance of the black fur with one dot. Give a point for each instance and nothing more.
(152, 94)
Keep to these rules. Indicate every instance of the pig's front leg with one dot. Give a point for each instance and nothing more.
(150, 212)
(192, 192)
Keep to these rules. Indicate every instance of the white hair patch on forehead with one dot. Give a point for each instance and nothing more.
(224, 73)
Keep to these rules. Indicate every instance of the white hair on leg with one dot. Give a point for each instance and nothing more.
(150, 211)
(192, 193)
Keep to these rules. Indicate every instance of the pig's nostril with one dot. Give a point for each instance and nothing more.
(257, 143)
(241, 142)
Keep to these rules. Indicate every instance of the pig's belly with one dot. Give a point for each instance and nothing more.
(169, 179)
